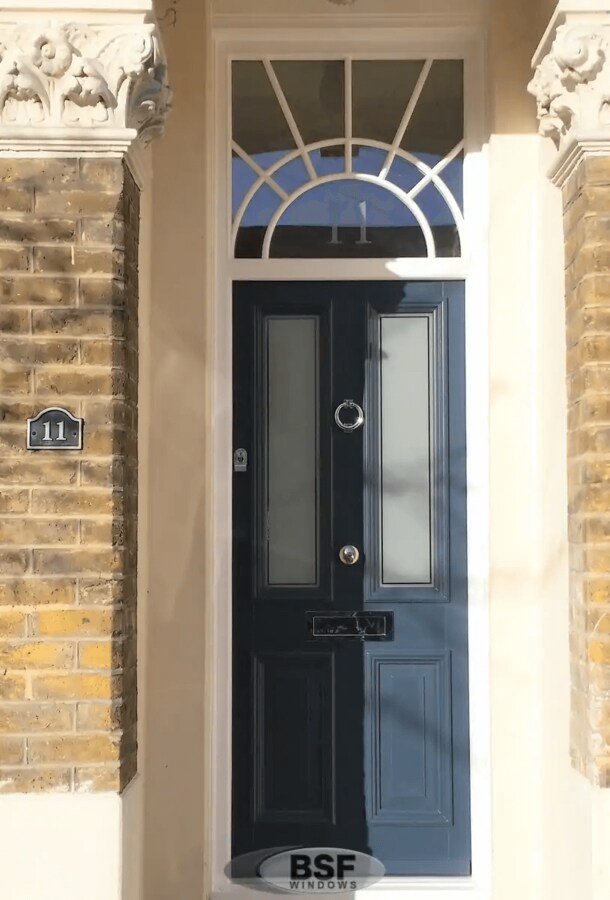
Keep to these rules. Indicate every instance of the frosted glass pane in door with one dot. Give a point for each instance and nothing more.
(291, 450)
(405, 450)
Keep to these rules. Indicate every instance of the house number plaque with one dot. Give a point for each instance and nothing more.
(55, 429)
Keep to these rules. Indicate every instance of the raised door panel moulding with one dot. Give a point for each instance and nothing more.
(571, 84)
(70, 86)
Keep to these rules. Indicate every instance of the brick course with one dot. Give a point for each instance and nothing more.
(587, 236)
(68, 521)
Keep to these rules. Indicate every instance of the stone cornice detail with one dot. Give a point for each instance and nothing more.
(571, 85)
(70, 86)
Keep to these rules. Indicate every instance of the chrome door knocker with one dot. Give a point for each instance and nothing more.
(352, 407)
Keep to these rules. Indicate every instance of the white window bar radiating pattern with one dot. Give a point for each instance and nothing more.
(428, 174)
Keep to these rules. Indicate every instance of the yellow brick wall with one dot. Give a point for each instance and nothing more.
(68, 337)
(587, 241)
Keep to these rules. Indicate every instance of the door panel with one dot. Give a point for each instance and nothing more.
(410, 720)
(342, 741)
(293, 764)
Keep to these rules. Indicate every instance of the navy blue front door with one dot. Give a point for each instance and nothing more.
(350, 677)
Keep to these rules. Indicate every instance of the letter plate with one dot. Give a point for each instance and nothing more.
(351, 624)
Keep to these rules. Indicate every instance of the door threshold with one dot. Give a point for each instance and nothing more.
(413, 888)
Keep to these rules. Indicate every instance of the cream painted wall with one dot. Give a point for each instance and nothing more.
(550, 826)
(175, 382)
(550, 830)
(361, 7)
(546, 8)
(60, 847)
(542, 811)
(514, 32)
(528, 587)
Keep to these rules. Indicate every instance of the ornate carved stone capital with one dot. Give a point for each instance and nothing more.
(70, 85)
(571, 83)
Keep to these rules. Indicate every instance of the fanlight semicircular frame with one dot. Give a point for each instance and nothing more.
(404, 198)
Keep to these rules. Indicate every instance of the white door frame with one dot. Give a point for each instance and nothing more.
(381, 38)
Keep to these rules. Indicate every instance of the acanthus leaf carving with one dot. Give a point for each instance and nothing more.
(579, 54)
(85, 97)
(78, 76)
(23, 97)
(571, 83)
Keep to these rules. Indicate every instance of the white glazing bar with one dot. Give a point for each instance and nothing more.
(349, 115)
(294, 128)
(436, 170)
(423, 75)
(259, 171)
(363, 142)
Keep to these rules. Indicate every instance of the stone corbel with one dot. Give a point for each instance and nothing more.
(571, 83)
(80, 84)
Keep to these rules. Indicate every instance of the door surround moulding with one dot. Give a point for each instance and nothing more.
(378, 37)
(438, 26)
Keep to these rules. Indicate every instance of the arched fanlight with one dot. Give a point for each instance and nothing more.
(271, 175)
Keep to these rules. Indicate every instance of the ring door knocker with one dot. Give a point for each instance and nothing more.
(352, 406)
